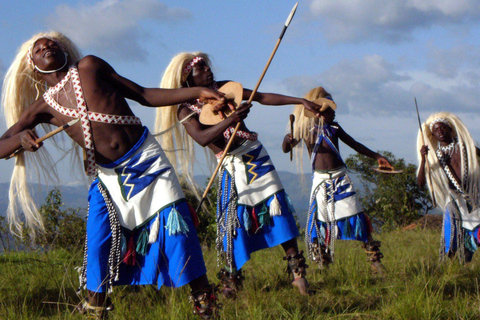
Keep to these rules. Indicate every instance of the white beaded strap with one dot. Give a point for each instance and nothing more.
(87, 130)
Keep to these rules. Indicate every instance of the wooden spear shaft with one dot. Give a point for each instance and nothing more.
(230, 141)
(45, 137)
(429, 177)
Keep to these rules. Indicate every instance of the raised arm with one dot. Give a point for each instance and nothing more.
(274, 99)
(151, 97)
(421, 176)
(360, 148)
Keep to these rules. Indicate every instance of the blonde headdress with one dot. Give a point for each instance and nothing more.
(304, 124)
(440, 181)
(178, 145)
(21, 87)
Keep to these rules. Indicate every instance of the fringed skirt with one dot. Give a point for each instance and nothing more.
(454, 234)
(334, 211)
(174, 259)
(242, 229)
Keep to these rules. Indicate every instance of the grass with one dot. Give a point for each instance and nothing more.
(41, 285)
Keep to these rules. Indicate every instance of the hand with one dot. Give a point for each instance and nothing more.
(290, 140)
(424, 151)
(289, 143)
(241, 112)
(28, 140)
(383, 162)
(209, 94)
(313, 107)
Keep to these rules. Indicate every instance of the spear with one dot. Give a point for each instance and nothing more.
(429, 177)
(227, 147)
(292, 120)
(45, 137)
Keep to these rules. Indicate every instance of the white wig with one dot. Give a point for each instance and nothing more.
(21, 87)
(439, 186)
(178, 145)
(303, 125)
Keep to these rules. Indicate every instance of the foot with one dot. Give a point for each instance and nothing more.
(93, 311)
(302, 285)
(205, 304)
(230, 283)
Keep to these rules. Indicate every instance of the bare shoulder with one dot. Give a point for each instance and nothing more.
(92, 63)
(183, 111)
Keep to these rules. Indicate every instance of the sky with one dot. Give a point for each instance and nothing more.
(373, 56)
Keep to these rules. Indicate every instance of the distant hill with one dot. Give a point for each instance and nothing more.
(297, 187)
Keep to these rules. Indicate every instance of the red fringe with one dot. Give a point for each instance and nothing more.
(255, 222)
(131, 255)
(194, 215)
(369, 224)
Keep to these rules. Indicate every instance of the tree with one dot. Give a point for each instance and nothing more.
(64, 228)
(390, 200)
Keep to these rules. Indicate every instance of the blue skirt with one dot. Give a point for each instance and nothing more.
(173, 260)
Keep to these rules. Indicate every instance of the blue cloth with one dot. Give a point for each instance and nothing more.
(450, 232)
(352, 228)
(172, 260)
(277, 230)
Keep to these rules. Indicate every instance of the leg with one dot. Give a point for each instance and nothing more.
(203, 298)
(372, 249)
(98, 241)
(296, 265)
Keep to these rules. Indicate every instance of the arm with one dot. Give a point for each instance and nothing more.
(273, 99)
(421, 177)
(151, 97)
(205, 135)
(289, 143)
(21, 134)
(360, 148)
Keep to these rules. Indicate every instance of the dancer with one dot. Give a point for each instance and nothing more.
(253, 210)
(334, 211)
(135, 199)
(455, 177)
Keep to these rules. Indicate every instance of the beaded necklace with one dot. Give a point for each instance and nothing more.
(444, 154)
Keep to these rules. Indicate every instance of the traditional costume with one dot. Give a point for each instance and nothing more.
(334, 211)
(253, 210)
(459, 198)
(137, 210)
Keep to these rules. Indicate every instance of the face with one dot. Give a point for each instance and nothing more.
(201, 75)
(47, 54)
(442, 132)
(328, 115)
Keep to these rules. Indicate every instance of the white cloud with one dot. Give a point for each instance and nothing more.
(391, 21)
(113, 27)
(371, 85)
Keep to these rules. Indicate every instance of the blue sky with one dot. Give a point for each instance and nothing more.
(374, 56)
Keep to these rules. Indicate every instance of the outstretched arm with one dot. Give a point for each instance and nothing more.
(151, 97)
(274, 99)
(360, 148)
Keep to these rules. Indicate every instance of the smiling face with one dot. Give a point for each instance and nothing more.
(442, 132)
(201, 75)
(47, 55)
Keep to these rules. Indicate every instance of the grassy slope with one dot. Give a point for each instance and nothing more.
(39, 285)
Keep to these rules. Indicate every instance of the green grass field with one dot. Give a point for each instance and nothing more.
(39, 285)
